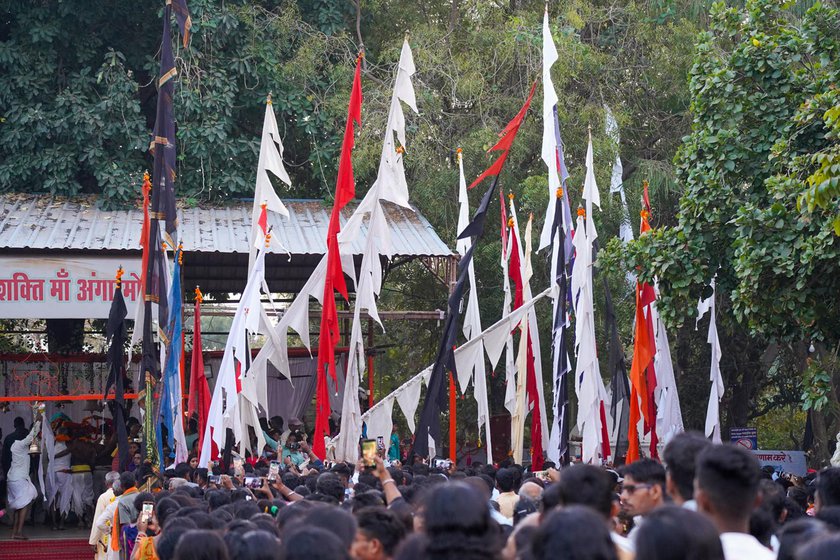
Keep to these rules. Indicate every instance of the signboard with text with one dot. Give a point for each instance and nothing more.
(745, 437)
(66, 287)
(783, 461)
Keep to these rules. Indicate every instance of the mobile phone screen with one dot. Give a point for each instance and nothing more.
(273, 470)
(368, 452)
(148, 508)
(253, 482)
(380, 442)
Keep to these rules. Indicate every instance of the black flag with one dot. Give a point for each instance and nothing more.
(436, 396)
(116, 334)
(559, 349)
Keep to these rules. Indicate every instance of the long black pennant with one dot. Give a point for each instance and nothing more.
(116, 334)
(559, 350)
(436, 401)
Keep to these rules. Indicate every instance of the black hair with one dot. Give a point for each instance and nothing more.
(680, 458)
(458, 525)
(367, 499)
(772, 499)
(383, 525)
(575, 532)
(646, 471)
(675, 533)
(797, 533)
(830, 516)
(164, 508)
(259, 545)
(824, 548)
(19, 422)
(127, 480)
(828, 487)
(313, 543)
(799, 496)
(342, 470)
(181, 470)
(166, 542)
(216, 498)
(200, 474)
(523, 508)
(762, 525)
(506, 479)
(330, 485)
(142, 497)
(729, 476)
(200, 544)
(397, 475)
(340, 523)
(585, 485)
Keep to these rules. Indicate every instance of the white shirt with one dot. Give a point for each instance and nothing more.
(741, 546)
(20, 455)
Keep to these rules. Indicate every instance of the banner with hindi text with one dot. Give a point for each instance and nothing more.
(37, 287)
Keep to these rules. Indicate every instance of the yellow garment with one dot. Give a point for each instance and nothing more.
(145, 549)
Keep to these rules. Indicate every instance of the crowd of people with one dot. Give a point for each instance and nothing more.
(702, 502)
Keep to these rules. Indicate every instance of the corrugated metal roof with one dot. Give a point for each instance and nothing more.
(48, 223)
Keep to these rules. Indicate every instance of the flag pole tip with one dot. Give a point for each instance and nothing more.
(268, 99)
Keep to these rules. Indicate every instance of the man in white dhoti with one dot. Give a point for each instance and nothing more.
(100, 533)
(20, 490)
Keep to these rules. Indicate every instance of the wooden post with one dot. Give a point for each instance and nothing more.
(453, 419)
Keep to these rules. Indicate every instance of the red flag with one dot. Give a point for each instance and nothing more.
(262, 221)
(345, 190)
(199, 399)
(532, 396)
(642, 374)
(507, 137)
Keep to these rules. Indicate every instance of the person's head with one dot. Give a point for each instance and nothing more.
(330, 485)
(675, 533)
(576, 533)
(830, 516)
(505, 479)
(167, 541)
(680, 458)
(828, 489)
(312, 543)
(343, 471)
(295, 424)
(133, 448)
(797, 533)
(201, 544)
(110, 478)
(457, 521)
(378, 534)
(584, 485)
(165, 508)
(127, 480)
(339, 521)
(644, 487)
(824, 548)
(531, 491)
(726, 486)
(293, 441)
(138, 459)
(19, 423)
(260, 545)
(193, 461)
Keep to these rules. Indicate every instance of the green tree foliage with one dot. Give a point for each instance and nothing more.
(763, 89)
